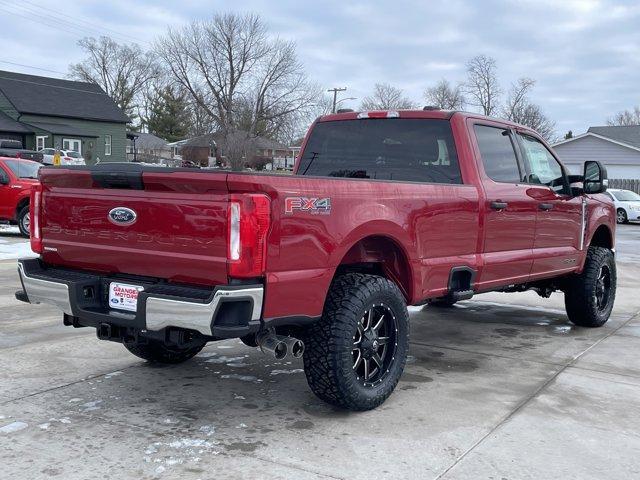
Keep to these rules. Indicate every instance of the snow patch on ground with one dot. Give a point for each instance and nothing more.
(181, 450)
(13, 427)
(113, 374)
(243, 378)
(286, 372)
(225, 359)
(13, 251)
(91, 406)
(44, 426)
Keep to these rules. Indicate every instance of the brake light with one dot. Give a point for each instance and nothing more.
(249, 218)
(35, 210)
(379, 114)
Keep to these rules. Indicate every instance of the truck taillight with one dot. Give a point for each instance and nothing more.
(249, 218)
(35, 227)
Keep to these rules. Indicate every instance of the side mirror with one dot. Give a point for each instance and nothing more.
(595, 177)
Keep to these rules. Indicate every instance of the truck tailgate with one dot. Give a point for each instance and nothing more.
(179, 233)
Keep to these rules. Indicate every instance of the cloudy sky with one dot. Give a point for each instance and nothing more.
(584, 54)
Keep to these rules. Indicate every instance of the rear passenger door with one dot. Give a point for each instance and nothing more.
(509, 212)
(559, 217)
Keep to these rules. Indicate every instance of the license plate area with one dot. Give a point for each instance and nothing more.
(124, 296)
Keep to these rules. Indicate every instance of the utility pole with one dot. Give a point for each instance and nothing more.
(335, 91)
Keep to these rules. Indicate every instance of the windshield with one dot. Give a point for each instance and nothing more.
(23, 168)
(414, 150)
(626, 196)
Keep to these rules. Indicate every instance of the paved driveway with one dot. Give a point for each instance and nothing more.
(502, 386)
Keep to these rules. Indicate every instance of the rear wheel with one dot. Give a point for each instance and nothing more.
(356, 352)
(24, 221)
(621, 215)
(590, 296)
(157, 352)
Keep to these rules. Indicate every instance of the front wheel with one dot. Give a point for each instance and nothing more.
(157, 352)
(356, 352)
(589, 296)
(621, 215)
(24, 221)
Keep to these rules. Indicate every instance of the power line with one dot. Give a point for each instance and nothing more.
(31, 66)
(55, 14)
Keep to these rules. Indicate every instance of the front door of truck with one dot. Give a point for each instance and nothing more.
(557, 243)
(509, 213)
(7, 202)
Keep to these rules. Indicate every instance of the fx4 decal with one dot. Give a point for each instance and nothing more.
(314, 206)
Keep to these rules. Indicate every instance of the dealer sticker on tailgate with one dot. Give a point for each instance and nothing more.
(124, 296)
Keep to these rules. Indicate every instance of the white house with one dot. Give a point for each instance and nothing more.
(617, 148)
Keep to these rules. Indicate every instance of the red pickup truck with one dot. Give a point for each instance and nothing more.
(17, 176)
(385, 209)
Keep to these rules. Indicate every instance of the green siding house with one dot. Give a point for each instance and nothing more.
(46, 112)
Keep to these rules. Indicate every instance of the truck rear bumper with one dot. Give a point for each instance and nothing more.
(222, 312)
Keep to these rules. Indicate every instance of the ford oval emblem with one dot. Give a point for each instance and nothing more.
(122, 216)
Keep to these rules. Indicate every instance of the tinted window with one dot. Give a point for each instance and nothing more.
(23, 168)
(498, 155)
(543, 168)
(416, 150)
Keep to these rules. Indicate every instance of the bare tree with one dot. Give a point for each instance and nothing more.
(626, 118)
(482, 85)
(445, 96)
(386, 97)
(122, 71)
(519, 109)
(238, 76)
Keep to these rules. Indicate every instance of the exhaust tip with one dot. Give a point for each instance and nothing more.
(296, 346)
(280, 350)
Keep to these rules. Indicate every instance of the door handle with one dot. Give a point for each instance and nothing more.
(498, 205)
(546, 206)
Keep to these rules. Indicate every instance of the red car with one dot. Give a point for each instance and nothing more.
(384, 210)
(17, 176)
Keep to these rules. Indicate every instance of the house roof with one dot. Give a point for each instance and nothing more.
(61, 98)
(624, 134)
(8, 124)
(619, 137)
(148, 141)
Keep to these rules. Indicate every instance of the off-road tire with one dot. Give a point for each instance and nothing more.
(22, 215)
(156, 352)
(621, 216)
(328, 355)
(580, 295)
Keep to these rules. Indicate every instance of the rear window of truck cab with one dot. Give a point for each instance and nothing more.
(402, 149)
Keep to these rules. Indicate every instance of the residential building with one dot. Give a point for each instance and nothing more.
(49, 112)
(616, 147)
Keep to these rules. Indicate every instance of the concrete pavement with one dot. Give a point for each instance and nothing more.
(501, 386)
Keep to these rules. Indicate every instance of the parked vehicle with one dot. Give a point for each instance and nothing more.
(627, 204)
(67, 157)
(17, 176)
(384, 209)
(13, 149)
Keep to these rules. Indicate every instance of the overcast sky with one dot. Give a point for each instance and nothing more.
(584, 54)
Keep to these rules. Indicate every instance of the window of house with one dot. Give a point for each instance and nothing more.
(498, 154)
(107, 145)
(40, 141)
(414, 150)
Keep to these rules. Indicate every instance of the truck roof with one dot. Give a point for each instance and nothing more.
(423, 114)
